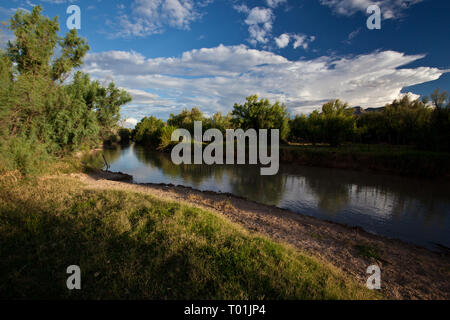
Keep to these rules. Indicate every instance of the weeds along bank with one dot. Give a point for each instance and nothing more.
(133, 245)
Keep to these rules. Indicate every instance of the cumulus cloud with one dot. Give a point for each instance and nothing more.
(130, 123)
(153, 16)
(301, 40)
(215, 78)
(283, 40)
(390, 9)
(260, 21)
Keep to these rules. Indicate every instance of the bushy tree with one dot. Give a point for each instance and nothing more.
(185, 119)
(41, 113)
(338, 123)
(440, 120)
(334, 125)
(147, 131)
(261, 114)
(220, 121)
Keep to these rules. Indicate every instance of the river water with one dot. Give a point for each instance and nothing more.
(413, 210)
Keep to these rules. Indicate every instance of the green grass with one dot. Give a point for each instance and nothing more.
(134, 246)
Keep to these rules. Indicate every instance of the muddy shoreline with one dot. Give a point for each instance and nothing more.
(408, 271)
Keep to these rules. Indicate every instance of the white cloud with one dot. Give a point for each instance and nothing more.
(274, 3)
(353, 34)
(302, 40)
(241, 8)
(283, 40)
(153, 16)
(260, 21)
(130, 123)
(215, 78)
(390, 9)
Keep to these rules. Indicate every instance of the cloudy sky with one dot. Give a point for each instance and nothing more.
(175, 54)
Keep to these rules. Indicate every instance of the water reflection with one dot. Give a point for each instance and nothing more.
(414, 210)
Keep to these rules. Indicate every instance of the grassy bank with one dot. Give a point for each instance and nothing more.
(132, 245)
(400, 160)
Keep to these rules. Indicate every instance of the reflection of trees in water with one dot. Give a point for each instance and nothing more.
(112, 154)
(427, 211)
(420, 200)
(247, 181)
(423, 201)
(333, 196)
(191, 173)
(407, 198)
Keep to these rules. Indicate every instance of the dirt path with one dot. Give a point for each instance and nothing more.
(407, 271)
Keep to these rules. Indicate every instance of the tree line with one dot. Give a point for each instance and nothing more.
(423, 123)
(48, 109)
(254, 113)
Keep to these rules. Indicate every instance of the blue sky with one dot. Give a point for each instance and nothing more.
(175, 54)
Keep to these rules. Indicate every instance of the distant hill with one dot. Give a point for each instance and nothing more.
(358, 110)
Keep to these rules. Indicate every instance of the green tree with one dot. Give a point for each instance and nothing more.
(338, 123)
(41, 114)
(147, 131)
(261, 114)
(440, 120)
(109, 101)
(220, 121)
(185, 119)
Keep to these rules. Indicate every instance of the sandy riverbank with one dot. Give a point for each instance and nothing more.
(407, 271)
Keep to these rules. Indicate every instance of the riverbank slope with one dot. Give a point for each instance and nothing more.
(133, 243)
(408, 271)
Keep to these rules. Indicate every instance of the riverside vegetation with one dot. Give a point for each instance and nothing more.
(130, 245)
(409, 137)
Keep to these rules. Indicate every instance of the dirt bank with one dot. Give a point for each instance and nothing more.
(407, 271)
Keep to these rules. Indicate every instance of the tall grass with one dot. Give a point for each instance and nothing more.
(132, 245)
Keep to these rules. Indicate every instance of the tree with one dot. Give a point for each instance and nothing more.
(41, 114)
(146, 131)
(185, 119)
(440, 120)
(109, 101)
(220, 121)
(338, 122)
(261, 114)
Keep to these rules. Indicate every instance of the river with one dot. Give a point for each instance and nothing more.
(414, 210)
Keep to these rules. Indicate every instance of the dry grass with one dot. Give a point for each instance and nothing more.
(131, 245)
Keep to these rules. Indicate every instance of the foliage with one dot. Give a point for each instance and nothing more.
(334, 125)
(402, 122)
(40, 110)
(261, 114)
(220, 121)
(185, 119)
(165, 138)
(147, 131)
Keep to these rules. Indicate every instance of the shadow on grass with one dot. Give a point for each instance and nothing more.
(132, 246)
